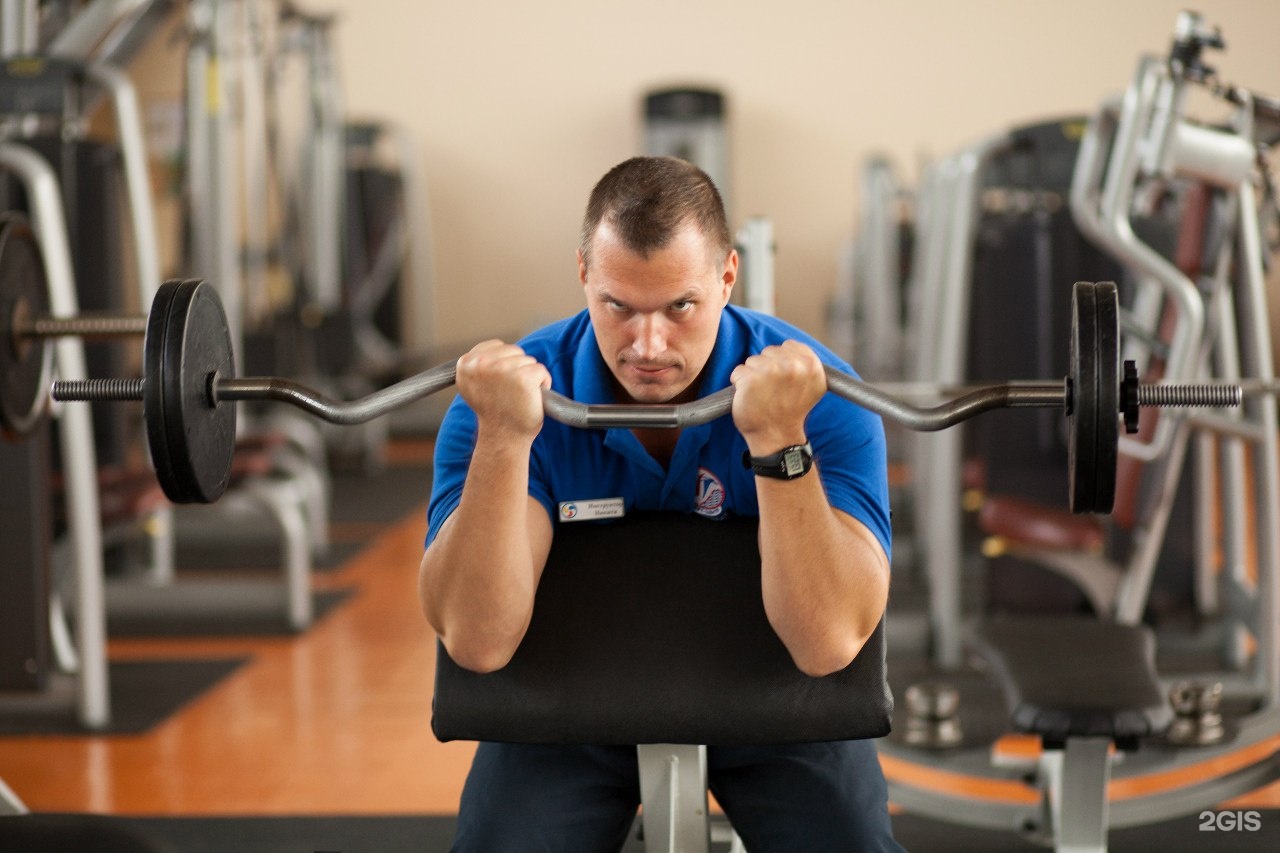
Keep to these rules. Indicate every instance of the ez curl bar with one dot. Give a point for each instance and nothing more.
(188, 381)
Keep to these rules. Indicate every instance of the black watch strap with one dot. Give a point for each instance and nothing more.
(787, 464)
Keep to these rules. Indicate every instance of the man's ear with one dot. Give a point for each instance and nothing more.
(582, 268)
(730, 275)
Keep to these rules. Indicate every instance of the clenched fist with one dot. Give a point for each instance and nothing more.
(775, 390)
(503, 386)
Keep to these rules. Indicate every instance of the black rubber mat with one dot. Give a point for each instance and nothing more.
(144, 693)
(257, 556)
(358, 501)
(384, 497)
(221, 609)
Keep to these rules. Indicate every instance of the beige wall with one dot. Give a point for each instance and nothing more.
(518, 107)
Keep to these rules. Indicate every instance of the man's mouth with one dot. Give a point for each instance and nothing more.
(650, 370)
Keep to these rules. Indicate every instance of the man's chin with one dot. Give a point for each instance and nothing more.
(653, 393)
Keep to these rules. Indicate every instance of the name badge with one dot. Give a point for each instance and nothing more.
(591, 510)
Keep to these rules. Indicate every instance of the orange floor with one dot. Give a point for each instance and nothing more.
(335, 721)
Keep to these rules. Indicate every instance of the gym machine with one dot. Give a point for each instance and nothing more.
(228, 153)
(48, 86)
(868, 310)
(43, 66)
(1108, 737)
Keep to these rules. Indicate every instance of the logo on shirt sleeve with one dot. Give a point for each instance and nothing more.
(709, 497)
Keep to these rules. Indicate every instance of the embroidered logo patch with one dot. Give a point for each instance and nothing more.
(709, 497)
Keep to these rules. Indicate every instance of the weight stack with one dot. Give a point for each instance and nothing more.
(26, 529)
(690, 123)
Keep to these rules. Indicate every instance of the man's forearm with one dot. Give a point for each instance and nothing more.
(824, 577)
(478, 578)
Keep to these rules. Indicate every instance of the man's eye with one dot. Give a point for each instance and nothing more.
(615, 305)
(681, 307)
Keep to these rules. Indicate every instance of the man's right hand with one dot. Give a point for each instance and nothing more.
(504, 388)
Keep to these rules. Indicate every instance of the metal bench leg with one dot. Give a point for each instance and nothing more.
(9, 802)
(160, 538)
(1078, 778)
(723, 833)
(673, 794)
(285, 502)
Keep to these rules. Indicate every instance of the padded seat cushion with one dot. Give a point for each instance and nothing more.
(128, 496)
(261, 441)
(1069, 676)
(652, 629)
(125, 495)
(251, 463)
(1030, 524)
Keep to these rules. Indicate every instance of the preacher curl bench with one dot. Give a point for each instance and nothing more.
(651, 630)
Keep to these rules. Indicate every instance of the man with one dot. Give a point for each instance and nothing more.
(658, 267)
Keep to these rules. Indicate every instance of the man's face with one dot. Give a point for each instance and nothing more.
(656, 318)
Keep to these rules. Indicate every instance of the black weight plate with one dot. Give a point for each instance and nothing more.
(1082, 421)
(24, 367)
(1107, 441)
(192, 440)
(153, 391)
(1093, 424)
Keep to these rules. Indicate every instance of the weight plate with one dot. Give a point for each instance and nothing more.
(1107, 443)
(1082, 419)
(191, 439)
(1093, 422)
(153, 392)
(25, 366)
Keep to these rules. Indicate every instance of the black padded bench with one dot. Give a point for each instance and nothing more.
(652, 630)
(1081, 685)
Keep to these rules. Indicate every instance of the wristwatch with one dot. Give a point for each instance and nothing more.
(787, 464)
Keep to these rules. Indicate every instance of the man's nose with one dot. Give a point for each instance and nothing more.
(651, 336)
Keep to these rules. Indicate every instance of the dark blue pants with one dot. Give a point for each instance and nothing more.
(583, 799)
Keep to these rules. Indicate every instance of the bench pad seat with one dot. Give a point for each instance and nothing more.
(1070, 676)
(651, 629)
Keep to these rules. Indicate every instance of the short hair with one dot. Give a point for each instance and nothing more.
(648, 200)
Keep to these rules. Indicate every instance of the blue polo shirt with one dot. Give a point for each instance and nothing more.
(608, 472)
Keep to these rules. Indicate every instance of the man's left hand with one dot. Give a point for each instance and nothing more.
(775, 390)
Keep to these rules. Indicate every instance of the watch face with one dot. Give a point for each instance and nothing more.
(793, 462)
